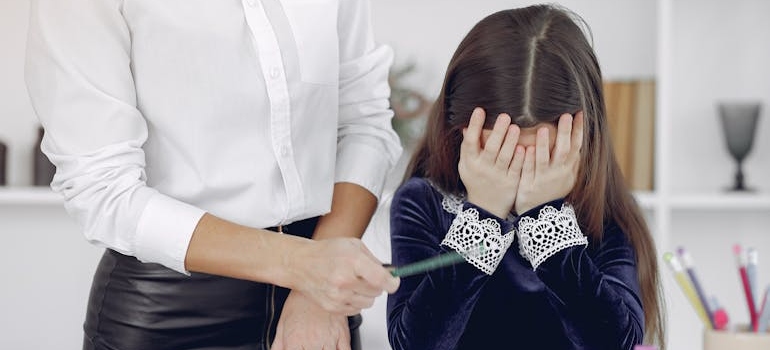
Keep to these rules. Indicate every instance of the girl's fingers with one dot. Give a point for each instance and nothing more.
(542, 149)
(576, 165)
(563, 137)
(518, 162)
(472, 134)
(528, 168)
(577, 132)
(508, 148)
(495, 140)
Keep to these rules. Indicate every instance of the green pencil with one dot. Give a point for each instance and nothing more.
(429, 264)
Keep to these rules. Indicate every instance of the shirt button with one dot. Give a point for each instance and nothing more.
(285, 151)
(275, 72)
(252, 3)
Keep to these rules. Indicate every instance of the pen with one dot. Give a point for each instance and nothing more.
(740, 260)
(751, 270)
(689, 267)
(764, 318)
(684, 283)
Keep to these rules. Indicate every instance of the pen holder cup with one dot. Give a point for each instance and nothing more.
(735, 339)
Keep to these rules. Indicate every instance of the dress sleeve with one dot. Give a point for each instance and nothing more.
(80, 84)
(595, 289)
(367, 146)
(430, 310)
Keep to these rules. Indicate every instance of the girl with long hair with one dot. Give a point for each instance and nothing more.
(516, 172)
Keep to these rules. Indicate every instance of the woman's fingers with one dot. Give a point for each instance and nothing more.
(375, 277)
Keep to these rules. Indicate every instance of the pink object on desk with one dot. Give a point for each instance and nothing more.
(720, 319)
(645, 347)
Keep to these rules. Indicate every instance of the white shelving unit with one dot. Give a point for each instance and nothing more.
(726, 202)
(29, 195)
(709, 51)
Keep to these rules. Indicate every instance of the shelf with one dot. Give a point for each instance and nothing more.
(720, 201)
(29, 195)
(647, 200)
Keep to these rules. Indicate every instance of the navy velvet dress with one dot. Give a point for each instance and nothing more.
(582, 297)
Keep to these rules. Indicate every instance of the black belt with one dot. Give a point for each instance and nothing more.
(303, 228)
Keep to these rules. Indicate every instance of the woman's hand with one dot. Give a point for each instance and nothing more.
(545, 176)
(340, 275)
(305, 325)
(491, 172)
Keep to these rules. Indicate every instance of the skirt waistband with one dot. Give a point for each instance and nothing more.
(302, 228)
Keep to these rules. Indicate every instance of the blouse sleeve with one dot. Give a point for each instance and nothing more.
(597, 289)
(80, 84)
(430, 311)
(367, 146)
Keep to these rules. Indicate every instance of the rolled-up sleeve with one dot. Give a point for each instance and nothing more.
(367, 146)
(79, 80)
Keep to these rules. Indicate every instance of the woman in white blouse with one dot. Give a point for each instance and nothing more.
(188, 135)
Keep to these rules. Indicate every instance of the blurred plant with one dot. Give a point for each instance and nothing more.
(409, 106)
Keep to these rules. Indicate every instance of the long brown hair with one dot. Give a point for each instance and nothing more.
(536, 63)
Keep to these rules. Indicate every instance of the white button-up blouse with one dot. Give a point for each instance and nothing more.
(158, 111)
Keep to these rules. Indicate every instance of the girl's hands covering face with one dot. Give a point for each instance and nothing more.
(491, 172)
(546, 175)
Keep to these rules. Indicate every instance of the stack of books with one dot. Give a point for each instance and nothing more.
(631, 117)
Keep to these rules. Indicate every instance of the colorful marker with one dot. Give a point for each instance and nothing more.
(764, 318)
(689, 267)
(684, 283)
(740, 260)
(752, 260)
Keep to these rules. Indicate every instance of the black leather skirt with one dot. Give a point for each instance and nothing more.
(143, 306)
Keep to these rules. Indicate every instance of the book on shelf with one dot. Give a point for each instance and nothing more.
(630, 108)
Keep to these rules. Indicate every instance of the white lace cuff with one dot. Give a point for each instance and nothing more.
(480, 242)
(552, 231)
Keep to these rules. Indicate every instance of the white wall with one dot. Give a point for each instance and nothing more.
(18, 126)
(427, 32)
(718, 57)
(46, 273)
